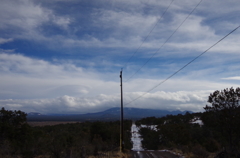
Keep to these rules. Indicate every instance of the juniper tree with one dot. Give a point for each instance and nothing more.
(224, 115)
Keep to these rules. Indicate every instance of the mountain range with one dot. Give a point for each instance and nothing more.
(107, 115)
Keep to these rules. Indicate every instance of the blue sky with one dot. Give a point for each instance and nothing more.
(65, 56)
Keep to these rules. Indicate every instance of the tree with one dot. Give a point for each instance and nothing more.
(150, 138)
(10, 121)
(15, 132)
(224, 115)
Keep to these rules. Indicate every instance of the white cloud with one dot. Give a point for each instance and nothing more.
(25, 18)
(16, 63)
(134, 23)
(122, 27)
(62, 21)
(232, 78)
(36, 85)
(64, 104)
(182, 100)
(193, 27)
(23, 77)
(23, 14)
(3, 40)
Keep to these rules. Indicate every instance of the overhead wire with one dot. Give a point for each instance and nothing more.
(184, 66)
(165, 41)
(148, 34)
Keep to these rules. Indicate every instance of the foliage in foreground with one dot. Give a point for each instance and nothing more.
(220, 133)
(64, 140)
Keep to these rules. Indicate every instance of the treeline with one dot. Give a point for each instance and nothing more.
(79, 140)
(219, 135)
(176, 132)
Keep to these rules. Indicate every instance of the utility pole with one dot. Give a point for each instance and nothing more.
(121, 122)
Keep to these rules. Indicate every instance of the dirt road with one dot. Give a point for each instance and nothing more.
(152, 154)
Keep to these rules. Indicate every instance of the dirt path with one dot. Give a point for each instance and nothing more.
(152, 154)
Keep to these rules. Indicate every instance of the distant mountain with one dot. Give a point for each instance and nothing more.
(133, 113)
(110, 114)
(33, 114)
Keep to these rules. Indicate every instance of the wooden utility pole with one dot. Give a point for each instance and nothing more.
(121, 122)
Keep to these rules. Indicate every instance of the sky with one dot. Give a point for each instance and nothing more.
(65, 56)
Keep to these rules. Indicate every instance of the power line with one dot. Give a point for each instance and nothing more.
(184, 66)
(164, 42)
(148, 34)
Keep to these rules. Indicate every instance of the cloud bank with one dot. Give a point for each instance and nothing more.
(34, 85)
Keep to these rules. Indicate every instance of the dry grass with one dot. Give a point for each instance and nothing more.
(112, 154)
